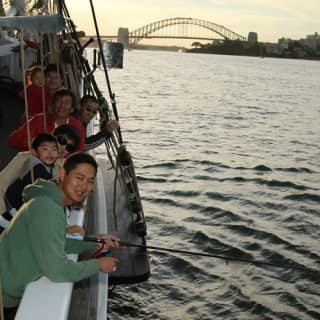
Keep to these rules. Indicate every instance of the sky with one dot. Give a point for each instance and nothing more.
(271, 19)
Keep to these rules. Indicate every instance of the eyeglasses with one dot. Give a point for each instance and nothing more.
(94, 112)
(64, 142)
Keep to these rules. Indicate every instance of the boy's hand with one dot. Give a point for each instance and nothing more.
(111, 125)
(76, 229)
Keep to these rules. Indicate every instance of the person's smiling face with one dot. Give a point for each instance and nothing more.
(62, 107)
(78, 183)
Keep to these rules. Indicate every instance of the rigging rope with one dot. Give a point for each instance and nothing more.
(90, 81)
(111, 94)
(43, 96)
(25, 99)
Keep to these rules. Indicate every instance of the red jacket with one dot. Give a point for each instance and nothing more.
(18, 139)
(34, 97)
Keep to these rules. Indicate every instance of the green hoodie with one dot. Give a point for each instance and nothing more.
(35, 244)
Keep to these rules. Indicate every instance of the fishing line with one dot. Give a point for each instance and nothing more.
(202, 254)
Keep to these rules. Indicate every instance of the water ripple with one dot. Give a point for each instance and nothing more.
(303, 197)
(230, 169)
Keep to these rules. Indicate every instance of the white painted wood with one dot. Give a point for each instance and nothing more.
(44, 299)
(101, 227)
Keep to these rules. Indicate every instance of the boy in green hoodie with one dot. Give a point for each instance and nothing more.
(37, 240)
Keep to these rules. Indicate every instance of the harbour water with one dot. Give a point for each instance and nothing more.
(226, 150)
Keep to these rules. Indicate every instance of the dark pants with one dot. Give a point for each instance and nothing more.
(10, 313)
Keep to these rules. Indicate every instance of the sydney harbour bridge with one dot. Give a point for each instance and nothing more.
(177, 28)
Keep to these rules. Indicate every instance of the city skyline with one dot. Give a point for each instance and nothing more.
(271, 19)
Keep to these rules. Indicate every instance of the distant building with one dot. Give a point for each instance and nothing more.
(308, 48)
(252, 38)
(272, 48)
(312, 41)
(284, 43)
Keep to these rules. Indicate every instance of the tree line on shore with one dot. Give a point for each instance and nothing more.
(295, 49)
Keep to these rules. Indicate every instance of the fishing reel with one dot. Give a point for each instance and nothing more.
(124, 156)
(141, 228)
(134, 201)
(139, 223)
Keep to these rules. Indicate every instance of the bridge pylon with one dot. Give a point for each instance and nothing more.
(123, 37)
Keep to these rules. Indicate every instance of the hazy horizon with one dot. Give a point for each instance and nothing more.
(271, 20)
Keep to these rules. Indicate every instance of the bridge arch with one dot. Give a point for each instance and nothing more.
(147, 30)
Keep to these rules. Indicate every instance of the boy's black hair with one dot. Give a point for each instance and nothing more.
(43, 137)
(79, 158)
(70, 131)
(88, 97)
(62, 93)
(52, 67)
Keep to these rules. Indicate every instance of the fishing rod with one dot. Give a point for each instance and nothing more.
(103, 60)
(202, 254)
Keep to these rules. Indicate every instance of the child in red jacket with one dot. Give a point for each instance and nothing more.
(35, 92)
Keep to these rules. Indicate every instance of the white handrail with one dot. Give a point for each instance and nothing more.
(101, 222)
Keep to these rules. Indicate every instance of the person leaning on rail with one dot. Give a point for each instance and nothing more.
(35, 245)
(88, 109)
(63, 105)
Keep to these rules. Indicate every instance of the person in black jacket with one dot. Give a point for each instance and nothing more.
(68, 141)
(89, 108)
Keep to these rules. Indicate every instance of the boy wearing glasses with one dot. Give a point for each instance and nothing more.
(89, 108)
